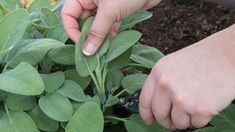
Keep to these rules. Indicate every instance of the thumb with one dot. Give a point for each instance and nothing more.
(103, 23)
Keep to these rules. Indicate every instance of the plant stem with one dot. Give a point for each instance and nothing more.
(116, 118)
(8, 114)
(5, 68)
(120, 93)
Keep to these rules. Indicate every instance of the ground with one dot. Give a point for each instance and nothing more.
(179, 23)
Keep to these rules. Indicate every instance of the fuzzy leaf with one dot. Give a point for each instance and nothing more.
(121, 43)
(22, 80)
(20, 103)
(12, 28)
(42, 121)
(136, 124)
(73, 75)
(135, 19)
(111, 101)
(121, 61)
(53, 81)
(31, 51)
(56, 106)
(72, 90)
(81, 123)
(134, 82)
(145, 55)
(63, 55)
(19, 122)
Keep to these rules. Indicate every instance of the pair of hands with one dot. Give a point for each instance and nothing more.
(186, 88)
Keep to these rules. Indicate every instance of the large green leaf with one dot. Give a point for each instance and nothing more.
(84, 64)
(121, 61)
(135, 19)
(42, 121)
(145, 55)
(134, 82)
(88, 118)
(12, 28)
(121, 43)
(72, 90)
(16, 122)
(10, 5)
(57, 31)
(22, 80)
(19, 102)
(113, 79)
(56, 106)
(53, 81)
(225, 121)
(136, 124)
(73, 75)
(31, 51)
(63, 55)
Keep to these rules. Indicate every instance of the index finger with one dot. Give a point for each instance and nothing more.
(71, 11)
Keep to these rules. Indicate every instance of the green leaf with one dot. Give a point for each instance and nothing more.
(88, 118)
(145, 55)
(114, 78)
(10, 5)
(16, 122)
(207, 129)
(121, 43)
(121, 61)
(136, 124)
(72, 90)
(19, 102)
(135, 19)
(22, 80)
(42, 121)
(73, 75)
(31, 51)
(94, 99)
(37, 5)
(104, 48)
(63, 55)
(84, 64)
(57, 31)
(53, 81)
(111, 101)
(134, 82)
(3, 55)
(12, 28)
(225, 121)
(56, 106)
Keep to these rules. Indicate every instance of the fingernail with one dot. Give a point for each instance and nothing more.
(89, 49)
(148, 123)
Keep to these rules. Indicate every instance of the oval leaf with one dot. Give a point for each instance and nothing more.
(53, 81)
(19, 102)
(22, 80)
(88, 118)
(72, 90)
(42, 121)
(121, 43)
(63, 55)
(56, 106)
(133, 83)
(20, 122)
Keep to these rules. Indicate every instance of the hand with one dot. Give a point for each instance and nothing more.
(107, 20)
(187, 88)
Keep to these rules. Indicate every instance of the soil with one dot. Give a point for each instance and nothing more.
(179, 23)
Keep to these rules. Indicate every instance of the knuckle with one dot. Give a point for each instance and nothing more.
(96, 34)
(165, 83)
(86, 4)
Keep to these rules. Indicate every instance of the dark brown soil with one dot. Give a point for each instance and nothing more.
(179, 23)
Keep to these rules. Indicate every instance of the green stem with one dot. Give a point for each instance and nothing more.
(8, 114)
(120, 93)
(92, 76)
(116, 118)
(5, 68)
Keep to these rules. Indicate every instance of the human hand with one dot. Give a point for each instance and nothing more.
(107, 19)
(187, 88)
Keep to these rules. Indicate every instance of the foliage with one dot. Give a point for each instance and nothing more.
(47, 84)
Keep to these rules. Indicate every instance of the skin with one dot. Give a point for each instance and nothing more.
(184, 89)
